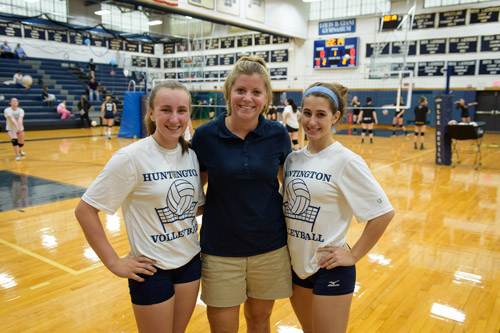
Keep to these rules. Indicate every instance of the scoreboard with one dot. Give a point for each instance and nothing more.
(336, 53)
(391, 22)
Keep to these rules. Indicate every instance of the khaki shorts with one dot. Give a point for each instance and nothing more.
(229, 281)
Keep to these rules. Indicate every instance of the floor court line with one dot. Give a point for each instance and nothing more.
(64, 137)
(40, 285)
(49, 261)
(403, 160)
(39, 257)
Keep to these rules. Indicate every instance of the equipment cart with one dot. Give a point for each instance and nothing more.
(470, 131)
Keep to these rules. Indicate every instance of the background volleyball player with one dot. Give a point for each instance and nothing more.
(421, 112)
(367, 116)
(355, 103)
(108, 111)
(397, 120)
(465, 109)
(15, 128)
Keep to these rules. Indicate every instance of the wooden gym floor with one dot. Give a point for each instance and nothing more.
(436, 269)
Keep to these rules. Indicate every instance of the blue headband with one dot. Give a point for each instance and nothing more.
(324, 91)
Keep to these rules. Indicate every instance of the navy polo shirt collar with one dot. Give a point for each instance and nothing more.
(224, 132)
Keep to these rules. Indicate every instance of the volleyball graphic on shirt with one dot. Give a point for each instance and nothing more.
(180, 196)
(298, 196)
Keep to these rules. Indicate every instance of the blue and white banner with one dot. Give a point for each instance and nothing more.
(337, 27)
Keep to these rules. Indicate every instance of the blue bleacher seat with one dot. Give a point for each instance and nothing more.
(61, 80)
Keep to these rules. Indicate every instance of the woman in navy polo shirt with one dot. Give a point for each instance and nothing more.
(243, 236)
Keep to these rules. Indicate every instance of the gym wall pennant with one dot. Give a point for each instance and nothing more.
(171, 3)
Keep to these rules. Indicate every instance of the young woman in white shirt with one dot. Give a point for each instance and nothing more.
(325, 185)
(156, 181)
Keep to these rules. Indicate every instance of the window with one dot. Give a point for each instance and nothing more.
(123, 19)
(329, 9)
(57, 10)
(443, 3)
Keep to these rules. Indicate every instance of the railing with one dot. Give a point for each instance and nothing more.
(139, 86)
(131, 81)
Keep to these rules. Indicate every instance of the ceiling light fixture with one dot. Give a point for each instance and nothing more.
(102, 12)
(155, 22)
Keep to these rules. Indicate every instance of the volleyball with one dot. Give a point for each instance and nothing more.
(298, 196)
(385, 112)
(180, 196)
(93, 123)
(27, 80)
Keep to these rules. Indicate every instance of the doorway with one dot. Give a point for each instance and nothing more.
(488, 109)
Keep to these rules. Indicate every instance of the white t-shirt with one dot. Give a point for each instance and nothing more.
(17, 113)
(159, 209)
(292, 117)
(17, 77)
(322, 192)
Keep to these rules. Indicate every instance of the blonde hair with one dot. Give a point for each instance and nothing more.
(248, 66)
(150, 124)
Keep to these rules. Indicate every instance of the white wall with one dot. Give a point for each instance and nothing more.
(290, 18)
(286, 18)
(366, 28)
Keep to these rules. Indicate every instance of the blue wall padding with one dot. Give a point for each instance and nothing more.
(131, 122)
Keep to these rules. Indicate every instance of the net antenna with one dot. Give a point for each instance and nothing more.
(383, 66)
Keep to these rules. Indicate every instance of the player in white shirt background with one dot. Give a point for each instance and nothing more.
(15, 128)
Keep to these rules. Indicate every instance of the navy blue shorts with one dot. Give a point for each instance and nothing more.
(160, 287)
(329, 282)
(291, 129)
(109, 115)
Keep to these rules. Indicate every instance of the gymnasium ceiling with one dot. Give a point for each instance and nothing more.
(172, 12)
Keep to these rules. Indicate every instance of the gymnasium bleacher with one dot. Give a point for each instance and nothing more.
(67, 80)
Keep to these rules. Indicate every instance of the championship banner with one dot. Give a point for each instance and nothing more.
(167, 3)
(202, 3)
(229, 7)
(254, 10)
(443, 105)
